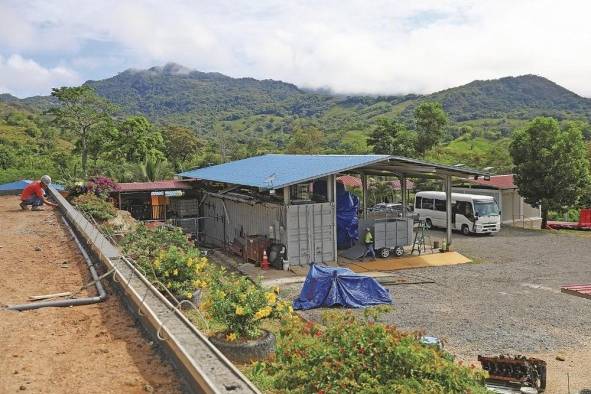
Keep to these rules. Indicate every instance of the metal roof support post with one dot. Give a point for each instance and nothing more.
(448, 212)
(286, 196)
(364, 194)
(403, 191)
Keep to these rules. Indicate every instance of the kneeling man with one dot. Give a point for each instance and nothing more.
(34, 194)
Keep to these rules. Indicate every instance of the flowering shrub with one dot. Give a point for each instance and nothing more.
(101, 186)
(240, 305)
(354, 355)
(144, 243)
(165, 254)
(95, 206)
(180, 271)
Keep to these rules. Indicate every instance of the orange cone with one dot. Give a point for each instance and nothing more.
(265, 262)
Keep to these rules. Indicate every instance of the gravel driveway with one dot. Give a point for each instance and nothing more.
(509, 301)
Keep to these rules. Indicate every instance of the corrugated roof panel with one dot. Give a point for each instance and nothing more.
(275, 171)
(153, 186)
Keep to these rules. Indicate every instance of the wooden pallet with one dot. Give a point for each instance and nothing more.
(577, 290)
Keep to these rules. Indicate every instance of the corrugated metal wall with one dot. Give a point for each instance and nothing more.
(310, 233)
(240, 218)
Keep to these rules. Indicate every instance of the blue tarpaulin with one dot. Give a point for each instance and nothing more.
(18, 186)
(347, 220)
(329, 286)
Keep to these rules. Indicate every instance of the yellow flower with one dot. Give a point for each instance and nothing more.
(262, 313)
(156, 263)
(169, 285)
(165, 274)
(189, 262)
(189, 295)
(276, 290)
(240, 311)
(175, 272)
(200, 284)
(231, 337)
(271, 298)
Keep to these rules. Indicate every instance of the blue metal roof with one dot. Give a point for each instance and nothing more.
(274, 171)
(20, 185)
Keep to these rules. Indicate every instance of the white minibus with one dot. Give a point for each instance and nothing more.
(471, 213)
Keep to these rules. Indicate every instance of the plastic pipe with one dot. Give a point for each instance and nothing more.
(102, 294)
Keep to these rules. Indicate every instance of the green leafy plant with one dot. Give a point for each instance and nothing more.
(240, 306)
(348, 354)
(96, 207)
(144, 244)
(179, 270)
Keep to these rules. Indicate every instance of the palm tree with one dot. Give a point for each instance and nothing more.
(153, 169)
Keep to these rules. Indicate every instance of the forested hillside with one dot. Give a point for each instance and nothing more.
(239, 117)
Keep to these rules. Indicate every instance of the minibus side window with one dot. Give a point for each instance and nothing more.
(418, 202)
(440, 205)
(427, 203)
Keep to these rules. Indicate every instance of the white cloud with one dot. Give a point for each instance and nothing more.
(382, 46)
(24, 77)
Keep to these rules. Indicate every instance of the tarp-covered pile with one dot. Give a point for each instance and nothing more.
(328, 286)
(347, 220)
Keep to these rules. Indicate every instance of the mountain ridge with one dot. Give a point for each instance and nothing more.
(173, 93)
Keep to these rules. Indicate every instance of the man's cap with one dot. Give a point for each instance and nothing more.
(46, 180)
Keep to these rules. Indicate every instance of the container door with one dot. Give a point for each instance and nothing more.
(310, 233)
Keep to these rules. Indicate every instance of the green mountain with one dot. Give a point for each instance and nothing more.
(514, 97)
(255, 116)
(175, 94)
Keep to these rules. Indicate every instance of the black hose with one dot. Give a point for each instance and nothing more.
(102, 294)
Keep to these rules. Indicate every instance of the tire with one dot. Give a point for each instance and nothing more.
(398, 251)
(465, 229)
(428, 224)
(384, 253)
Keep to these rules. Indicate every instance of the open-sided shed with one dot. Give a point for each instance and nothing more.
(307, 225)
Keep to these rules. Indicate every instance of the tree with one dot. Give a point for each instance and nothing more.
(306, 140)
(430, 119)
(137, 139)
(550, 164)
(82, 113)
(390, 137)
(153, 169)
(181, 143)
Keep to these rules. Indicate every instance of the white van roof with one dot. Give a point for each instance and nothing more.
(454, 196)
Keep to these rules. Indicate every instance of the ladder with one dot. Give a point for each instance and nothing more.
(421, 236)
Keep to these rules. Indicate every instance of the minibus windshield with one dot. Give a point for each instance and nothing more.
(486, 208)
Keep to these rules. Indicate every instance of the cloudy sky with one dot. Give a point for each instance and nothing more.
(349, 46)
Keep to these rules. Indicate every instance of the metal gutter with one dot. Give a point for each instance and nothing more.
(202, 366)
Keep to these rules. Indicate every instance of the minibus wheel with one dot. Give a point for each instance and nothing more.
(465, 229)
